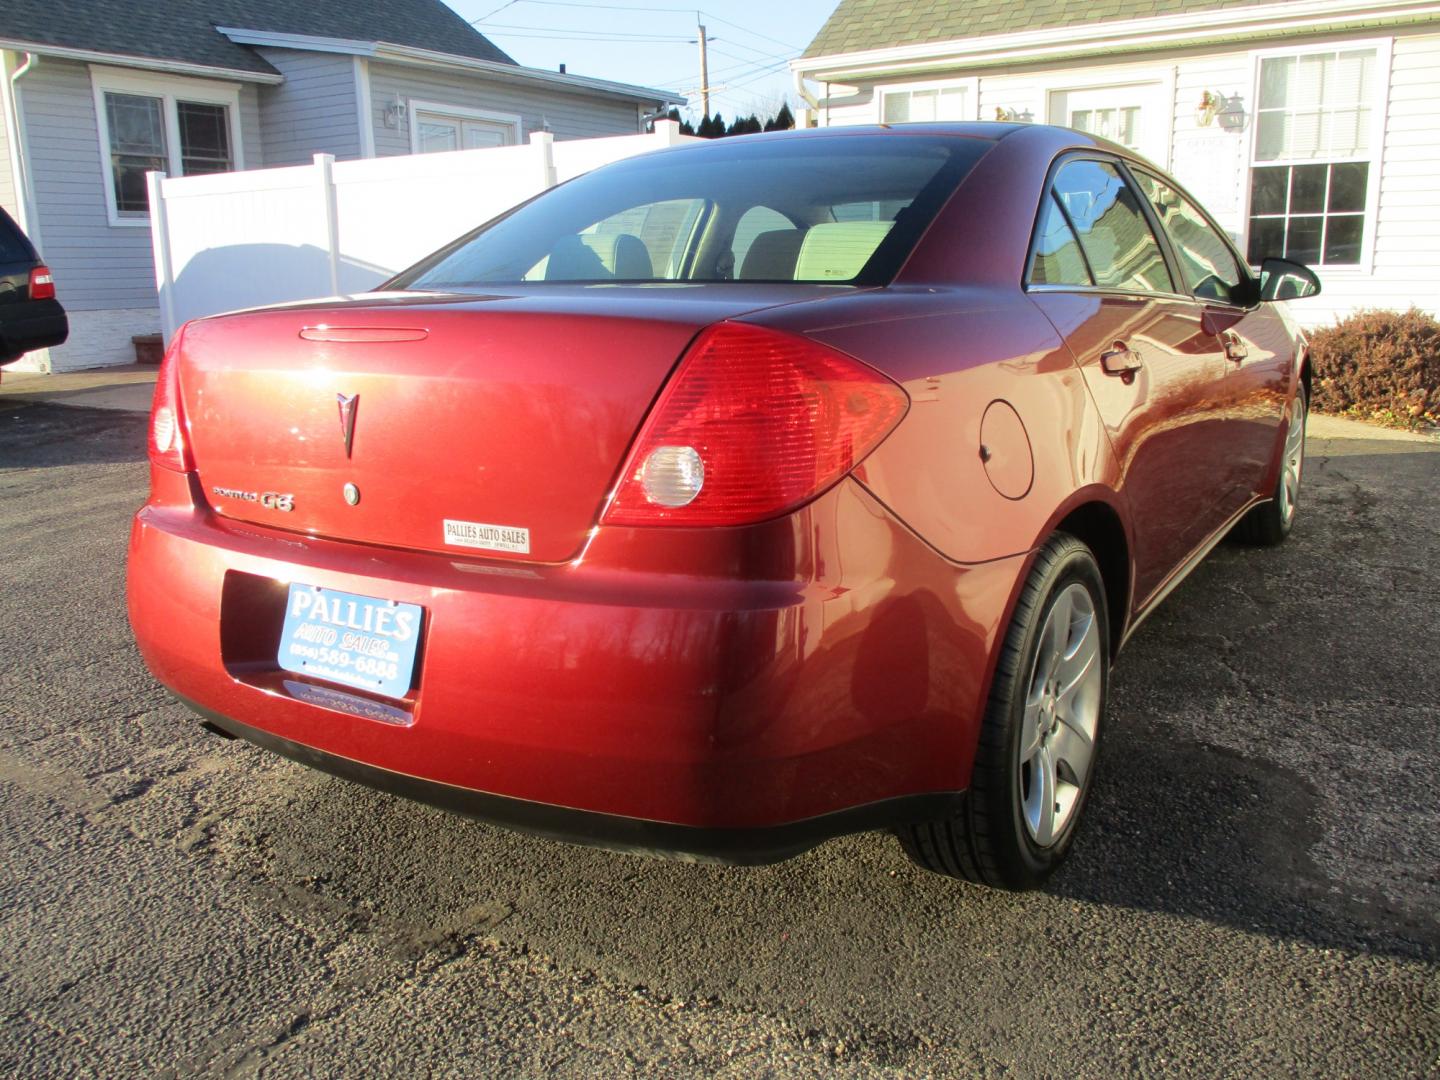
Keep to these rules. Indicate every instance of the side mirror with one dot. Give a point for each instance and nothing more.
(1281, 279)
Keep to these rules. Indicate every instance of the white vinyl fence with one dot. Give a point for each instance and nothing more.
(236, 240)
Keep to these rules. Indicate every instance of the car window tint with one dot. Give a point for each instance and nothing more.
(1058, 260)
(1122, 251)
(1209, 267)
(13, 245)
(755, 222)
(635, 245)
(841, 209)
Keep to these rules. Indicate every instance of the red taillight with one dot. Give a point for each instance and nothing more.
(168, 446)
(753, 424)
(42, 283)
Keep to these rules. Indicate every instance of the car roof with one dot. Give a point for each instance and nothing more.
(1054, 138)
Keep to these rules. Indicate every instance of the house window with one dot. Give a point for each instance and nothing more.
(183, 127)
(440, 128)
(1310, 183)
(204, 138)
(137, 146)
(931, 103)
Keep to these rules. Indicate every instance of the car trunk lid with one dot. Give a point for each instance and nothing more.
(490, 426)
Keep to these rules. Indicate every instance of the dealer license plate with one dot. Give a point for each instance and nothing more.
(359, 641)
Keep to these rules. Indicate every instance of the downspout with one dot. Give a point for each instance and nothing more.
(15, 135)
(805, 95)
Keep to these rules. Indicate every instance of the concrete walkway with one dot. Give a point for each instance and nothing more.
(128, 388)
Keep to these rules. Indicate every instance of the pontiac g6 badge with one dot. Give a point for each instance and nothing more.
(271, 500)
(348, 406)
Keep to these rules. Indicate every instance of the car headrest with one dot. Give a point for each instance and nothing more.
(624, 255)
(836, 250)
(772, 256)
(572, 260)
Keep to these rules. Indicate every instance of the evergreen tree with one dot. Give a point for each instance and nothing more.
(784, 120)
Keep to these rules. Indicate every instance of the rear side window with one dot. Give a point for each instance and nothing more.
(1058, 260)
(14, 248)
(1119, 246)
(842, 209)
(1210, 269)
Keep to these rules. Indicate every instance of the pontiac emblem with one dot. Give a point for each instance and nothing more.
(348, 407)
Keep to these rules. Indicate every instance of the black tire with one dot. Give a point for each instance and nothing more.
(1268, 524)
(987, 841)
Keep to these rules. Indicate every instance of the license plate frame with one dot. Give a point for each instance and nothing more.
(368, 643)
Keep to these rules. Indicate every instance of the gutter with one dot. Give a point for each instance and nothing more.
(148, 63)
(408, 54)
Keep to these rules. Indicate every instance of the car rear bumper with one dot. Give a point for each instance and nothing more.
(740, 847)
(613, 700)
(27, 325)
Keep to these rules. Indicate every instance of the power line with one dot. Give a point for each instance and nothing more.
(603, 7)
(497, 11)
(755, 33)
(605, 33)
(745, 61)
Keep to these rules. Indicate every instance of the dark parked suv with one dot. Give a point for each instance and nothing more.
(30, 316)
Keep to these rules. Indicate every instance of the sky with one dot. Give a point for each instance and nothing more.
(654, 43)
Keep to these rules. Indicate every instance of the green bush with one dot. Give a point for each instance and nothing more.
(1379, 364)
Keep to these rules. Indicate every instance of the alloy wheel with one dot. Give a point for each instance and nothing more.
(1294, 459)
(1062, 714)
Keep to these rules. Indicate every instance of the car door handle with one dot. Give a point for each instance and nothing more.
(1121, 360)
(1234, 348)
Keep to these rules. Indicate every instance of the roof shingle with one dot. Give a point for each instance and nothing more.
(185, 29)
(858, 25)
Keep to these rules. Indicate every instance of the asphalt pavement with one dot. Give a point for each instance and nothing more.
(1256, 890)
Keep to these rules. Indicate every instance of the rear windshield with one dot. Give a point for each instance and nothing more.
(835, 210)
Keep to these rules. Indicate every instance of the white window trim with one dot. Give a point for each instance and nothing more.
(971, 86)
(459, 112)
(1119, 78)
(1379, 109)
(170, 88)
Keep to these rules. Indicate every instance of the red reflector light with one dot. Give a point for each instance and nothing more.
(169, 447)
(42, 283)
(753, 424)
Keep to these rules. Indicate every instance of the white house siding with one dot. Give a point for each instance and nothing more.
(1407, 239)
(567, 115)
(7, 181)
(1214, 164)
(313, 111)
(104, 274)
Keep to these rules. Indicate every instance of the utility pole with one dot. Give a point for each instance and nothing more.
(704, 74)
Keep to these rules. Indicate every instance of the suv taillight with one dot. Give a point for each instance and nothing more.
(168, 445)
(42, 283)
(753, 424)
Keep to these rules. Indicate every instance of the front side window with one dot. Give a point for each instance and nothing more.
(161, 132)
(1313, 156)
(1210, 269)
(842, 209)
(1119, 246)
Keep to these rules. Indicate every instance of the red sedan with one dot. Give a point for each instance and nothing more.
(732, 497)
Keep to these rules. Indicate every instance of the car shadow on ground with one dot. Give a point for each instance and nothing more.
(36, 435)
